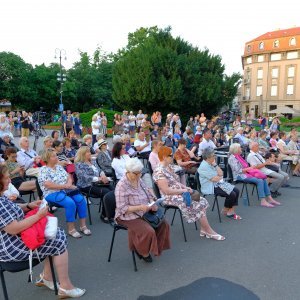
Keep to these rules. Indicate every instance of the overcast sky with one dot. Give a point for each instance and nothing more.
(34, 28)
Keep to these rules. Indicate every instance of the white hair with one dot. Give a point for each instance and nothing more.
(133, 165)
(252, 143)
(234, 148)
(239, 128)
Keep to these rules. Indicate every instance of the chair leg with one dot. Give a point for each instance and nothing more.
(247, 194)
(53, 275)
(173, 217)
(182, 224)
(134, 261)
(111, 244)
(213, 207)
(3, 285)
(242, 190)
(253, 189)
(89, 211)
(196, 226)
(217, 201)
(257, 192)
(30, 197)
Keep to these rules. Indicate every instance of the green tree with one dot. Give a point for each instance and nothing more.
(159, 72)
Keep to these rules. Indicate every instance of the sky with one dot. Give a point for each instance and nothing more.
(33, 29)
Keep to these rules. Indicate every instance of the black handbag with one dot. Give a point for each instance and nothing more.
(153, 218)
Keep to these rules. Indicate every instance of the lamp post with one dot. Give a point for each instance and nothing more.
(61, 78)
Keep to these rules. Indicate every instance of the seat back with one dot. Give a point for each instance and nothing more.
(114, 176)
(156, 190)
(197, 178)
(150, 168)
(109, 202)
(38, 189)
(230, 174)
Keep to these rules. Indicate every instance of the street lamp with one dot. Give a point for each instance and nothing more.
(61, 78)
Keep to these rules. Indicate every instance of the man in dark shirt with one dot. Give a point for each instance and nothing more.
(25, 124)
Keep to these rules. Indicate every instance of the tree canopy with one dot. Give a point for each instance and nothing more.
(159, 72)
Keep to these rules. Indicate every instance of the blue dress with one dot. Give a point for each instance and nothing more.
(12, 247)
(77, 123)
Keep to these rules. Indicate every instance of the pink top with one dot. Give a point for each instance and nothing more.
(154, 160)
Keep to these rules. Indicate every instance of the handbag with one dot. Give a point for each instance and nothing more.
(257, 174)
(153, 218)
(70, 168)
(51, 228)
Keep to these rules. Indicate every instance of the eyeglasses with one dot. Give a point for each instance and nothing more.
(137, 173)
(170, 155)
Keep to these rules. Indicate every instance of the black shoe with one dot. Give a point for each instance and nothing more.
(278, 194)
(147, 259)
(274, 195)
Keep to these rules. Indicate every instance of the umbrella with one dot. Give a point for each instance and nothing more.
(284, 110)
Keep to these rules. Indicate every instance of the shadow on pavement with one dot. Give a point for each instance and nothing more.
(208, 288)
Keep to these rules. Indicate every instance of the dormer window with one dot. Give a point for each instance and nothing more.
(248, 48)
(276, 44)
(293, 41)
(261, 45)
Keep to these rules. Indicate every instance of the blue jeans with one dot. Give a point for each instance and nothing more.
(262, 185)
(71, 205)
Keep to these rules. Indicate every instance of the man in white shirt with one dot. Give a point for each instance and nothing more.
(142, 146)
(240, 135)
(206, 141)
(132, 120)
(27, 157)
(139, 118)
(257, 161)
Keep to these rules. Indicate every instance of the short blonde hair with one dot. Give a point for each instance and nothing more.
(47, 138)
(47, 154)
(87, 136)
(80, 155)
(234, 148)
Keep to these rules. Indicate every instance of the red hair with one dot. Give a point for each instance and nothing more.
(164, 152)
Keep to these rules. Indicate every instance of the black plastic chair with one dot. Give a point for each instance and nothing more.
(288, 164)
(109, 202)
(15, 267)
(114, 177)
(30, 193)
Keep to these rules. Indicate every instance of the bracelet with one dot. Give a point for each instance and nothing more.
(28, 207)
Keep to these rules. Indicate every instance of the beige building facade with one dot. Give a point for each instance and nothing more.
(271, 66)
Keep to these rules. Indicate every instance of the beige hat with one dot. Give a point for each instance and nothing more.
(101, 142)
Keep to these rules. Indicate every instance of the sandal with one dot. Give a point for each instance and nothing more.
(85, 230)
(47, 283)
(234, 217)
(217, 237)
(74, 293)
(75, 234)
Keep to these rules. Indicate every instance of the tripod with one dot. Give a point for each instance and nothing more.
(38, 131)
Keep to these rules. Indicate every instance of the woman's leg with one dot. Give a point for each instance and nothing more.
(81, 205)
(62, 268)
(28, 186)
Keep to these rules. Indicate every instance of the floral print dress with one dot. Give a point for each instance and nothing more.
(191, 214)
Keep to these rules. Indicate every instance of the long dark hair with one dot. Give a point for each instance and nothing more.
(3, 170)
(116, 150)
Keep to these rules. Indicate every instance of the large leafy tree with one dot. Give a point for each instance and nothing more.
(159, 72)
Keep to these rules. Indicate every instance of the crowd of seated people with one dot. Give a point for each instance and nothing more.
(176, 159)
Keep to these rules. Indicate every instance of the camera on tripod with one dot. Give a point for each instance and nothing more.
(40, 117)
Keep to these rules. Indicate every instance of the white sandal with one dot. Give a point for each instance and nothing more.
(217, 237)
(85, 230)
(74, 293)
(43, 282)
(75, 234)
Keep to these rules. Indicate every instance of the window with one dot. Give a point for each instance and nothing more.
(290, 89)
(247, 92)
(291, 71)
(261, 45)
(275, 73)
(290, 106)
(274, 90)
(276, 44)
(292, 55)
(293, 41)
(272, 107)
(259, 90)
(260, 58)
(275, 56)
(248, 48)
(260, 74)
(249, 60)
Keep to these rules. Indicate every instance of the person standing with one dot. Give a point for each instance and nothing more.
(24, 124)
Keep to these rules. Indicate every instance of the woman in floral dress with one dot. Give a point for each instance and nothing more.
(172, 190)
